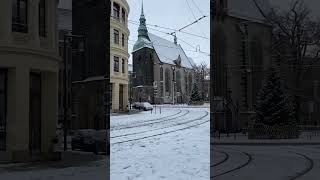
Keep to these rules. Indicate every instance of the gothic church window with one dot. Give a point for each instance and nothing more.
(167, 81)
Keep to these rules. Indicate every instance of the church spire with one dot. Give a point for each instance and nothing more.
(143, 32)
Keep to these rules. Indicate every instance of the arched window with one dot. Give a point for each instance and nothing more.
(190, 82)
(167, 81)
(161, 73)
(178, 81)
(186, 83)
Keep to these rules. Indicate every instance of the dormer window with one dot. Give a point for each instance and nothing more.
(20, 16)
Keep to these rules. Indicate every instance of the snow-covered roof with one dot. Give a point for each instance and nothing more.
(247, 9)
(168, 51)
(142, 42)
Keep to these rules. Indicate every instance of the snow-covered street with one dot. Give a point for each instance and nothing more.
(170, 145)
(265, 162)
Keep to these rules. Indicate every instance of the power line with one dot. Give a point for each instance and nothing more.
(197, 7)
(171, 29)
(191, 10)
(196, 21)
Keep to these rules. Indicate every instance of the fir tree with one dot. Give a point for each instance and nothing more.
(195, 96)
(274, 105)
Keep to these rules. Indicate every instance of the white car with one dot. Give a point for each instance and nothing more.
(146, 106)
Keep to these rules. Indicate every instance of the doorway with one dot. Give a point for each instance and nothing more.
(35, 113)
(121, 98)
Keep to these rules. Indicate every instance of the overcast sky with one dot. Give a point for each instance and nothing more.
(174, 14)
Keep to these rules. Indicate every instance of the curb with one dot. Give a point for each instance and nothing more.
(266, 143)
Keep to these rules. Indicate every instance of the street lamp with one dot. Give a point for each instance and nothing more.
(132, 76)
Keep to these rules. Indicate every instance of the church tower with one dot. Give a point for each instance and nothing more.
(142, 56)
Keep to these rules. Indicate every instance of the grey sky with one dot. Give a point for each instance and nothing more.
(174, 14)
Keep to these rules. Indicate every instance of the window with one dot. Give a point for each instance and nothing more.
(123, 15)
(167, 80)
(116, 36)
(122, 40)
(178, 79)
(116, 64)
(116, 11)
(20, 16)
(3, 104)
(42, 18)
(123, 65)
(161, 73)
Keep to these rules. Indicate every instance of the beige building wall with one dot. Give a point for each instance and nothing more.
(119, 80)
(21, 54)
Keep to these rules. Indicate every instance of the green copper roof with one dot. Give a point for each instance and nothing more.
(143, 38)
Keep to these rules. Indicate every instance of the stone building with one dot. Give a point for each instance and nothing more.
(89, 64)
(162, 70)
(29, 65)
(119, 35)
(241, 48)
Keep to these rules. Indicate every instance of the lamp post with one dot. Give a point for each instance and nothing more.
(67, 39)
(132, 76)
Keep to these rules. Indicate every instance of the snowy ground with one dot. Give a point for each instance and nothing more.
(173, 145)
(56, 170)
(265, 162)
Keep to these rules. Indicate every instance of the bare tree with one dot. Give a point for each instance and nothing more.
(296, 38)
(201, 72)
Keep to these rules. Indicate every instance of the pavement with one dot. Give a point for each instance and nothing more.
(306, 138)
(68, 159)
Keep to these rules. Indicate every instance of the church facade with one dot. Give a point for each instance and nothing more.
(241, 48)
(162, 72)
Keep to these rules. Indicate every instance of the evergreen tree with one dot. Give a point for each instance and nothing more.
(195, 96)
(274, 105)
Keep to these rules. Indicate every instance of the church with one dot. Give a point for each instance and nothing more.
(241, 46)
(162, 72)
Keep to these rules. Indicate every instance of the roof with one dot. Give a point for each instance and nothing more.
(142, 42)
(168, 51)
(247, 9)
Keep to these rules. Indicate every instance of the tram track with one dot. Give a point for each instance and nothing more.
(152, 121)
(242, 165)
(167, 132)
(226, 157)
(306, 170)
(170, 126)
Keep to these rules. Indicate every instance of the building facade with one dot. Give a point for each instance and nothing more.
(241, 44)
(89, 63)
(119, 35)
(163, 73)
(29, 65)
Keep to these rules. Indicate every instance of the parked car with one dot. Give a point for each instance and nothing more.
(90, 140)
(136, 105)
(146, 106)
(143, 105)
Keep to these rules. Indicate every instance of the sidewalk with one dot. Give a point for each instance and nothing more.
(68, 159)
(243, 140)
(131, 112)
